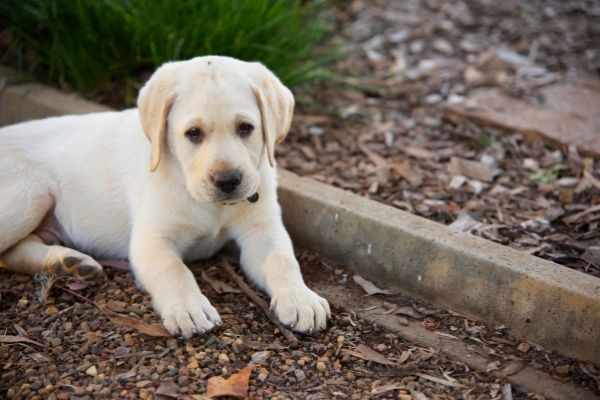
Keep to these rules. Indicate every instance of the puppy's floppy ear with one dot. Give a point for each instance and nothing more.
(154, 103)
(276, 103)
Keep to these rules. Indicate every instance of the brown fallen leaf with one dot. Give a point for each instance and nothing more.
(472, 169)
(379, 161)
(419, 152)
(441, 381)
(217, 285)
(19, 339)
(236, 385)
(406, 170)
(364, 352)
(369, 287)
(139, 325)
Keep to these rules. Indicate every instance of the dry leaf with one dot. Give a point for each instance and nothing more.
(472, 169)
(369, 287)
(236, 385)
(378, 160)
(387, 388)
(439, 380)
(404, 356)
(418, 152)
(217, 285)
(408, 311)
(140, 326)
(18, 339)
(406, 170)
(366, 353)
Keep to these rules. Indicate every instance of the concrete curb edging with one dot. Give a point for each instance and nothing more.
(548, 304)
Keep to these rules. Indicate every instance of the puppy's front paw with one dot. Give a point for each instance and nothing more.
(301, 309)
(187, 313)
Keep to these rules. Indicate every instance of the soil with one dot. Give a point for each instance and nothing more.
(81, 353)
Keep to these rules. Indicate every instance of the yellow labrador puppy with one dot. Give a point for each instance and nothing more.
(169, 182)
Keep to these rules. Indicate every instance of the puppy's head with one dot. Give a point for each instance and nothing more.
(217, 119)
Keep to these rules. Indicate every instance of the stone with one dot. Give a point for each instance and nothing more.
(321, 366)
(261, 357)
(91, 371)
(300, 375)
(223, 358)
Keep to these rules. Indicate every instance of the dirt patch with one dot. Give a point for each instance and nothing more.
(81, 352)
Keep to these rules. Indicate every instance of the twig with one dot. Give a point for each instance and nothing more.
(289, 335)
(573, 218)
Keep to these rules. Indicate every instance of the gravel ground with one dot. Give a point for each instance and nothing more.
(80, 353)
(385, 136)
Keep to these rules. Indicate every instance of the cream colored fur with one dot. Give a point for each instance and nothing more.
(131, 184)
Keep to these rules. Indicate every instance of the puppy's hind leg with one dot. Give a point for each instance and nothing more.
(25, 201)
(32, 255)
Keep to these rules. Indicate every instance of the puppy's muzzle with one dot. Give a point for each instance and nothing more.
(227, 181)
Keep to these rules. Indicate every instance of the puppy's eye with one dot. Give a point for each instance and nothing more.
(245, 129)
(195, 135)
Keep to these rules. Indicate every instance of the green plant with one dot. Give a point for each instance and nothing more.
(484, 141)
(89, 44)
(542, 177)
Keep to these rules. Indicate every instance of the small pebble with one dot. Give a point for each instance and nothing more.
(223, 358)
(321, 366)
(51, 310)
(261, 357)
(92, 371)
(523, 347)
(263, 374)
(143, 384)
(300, 375)
(172, 344)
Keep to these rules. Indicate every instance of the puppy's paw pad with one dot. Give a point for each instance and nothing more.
(83, 268)
(89, 272)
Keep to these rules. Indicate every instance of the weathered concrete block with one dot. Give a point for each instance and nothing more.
(546, 303)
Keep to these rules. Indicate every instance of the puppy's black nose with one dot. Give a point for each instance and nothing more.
(227, 181)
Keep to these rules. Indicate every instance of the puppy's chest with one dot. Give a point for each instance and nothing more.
(200, 237)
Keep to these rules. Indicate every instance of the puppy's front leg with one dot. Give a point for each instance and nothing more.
(267, 257)
(175, 294)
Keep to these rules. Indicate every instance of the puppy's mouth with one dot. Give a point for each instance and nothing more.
(250, 199)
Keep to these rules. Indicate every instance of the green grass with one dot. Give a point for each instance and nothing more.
(89, 45)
